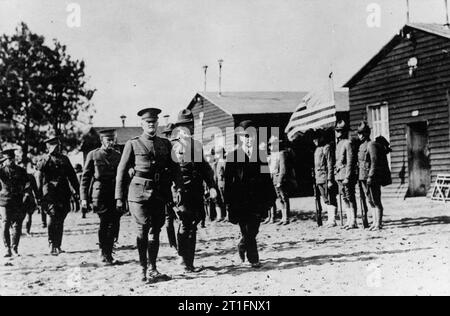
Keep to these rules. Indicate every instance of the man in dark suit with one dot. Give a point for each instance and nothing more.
(248, 191)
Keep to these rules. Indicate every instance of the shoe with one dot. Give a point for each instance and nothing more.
(144, 275)
(155, 276)
(256, 265)
(60, 251)
(8, 254)
(16, 252)
(109, 261)
(192, 269)
(54, 251)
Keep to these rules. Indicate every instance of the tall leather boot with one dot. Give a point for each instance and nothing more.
(142, 245)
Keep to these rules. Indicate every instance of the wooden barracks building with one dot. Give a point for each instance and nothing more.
(269, 109)
(404, 93)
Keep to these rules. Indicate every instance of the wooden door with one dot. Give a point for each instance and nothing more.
(418, 159)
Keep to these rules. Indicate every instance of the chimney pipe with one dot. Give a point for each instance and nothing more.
(205, 69)
(220, 61)
(407, 12)
(166, 119)
(123, 118)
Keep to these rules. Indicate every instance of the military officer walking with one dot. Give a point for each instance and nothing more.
(170, 214)
(249, 192)
(373, 173)
(100, 169)
(150, 188)
(12, 182)
(56, 180)
(195, 170)
(324, 160)
(346, 173)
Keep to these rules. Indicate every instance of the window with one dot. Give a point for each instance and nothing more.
(378, 117)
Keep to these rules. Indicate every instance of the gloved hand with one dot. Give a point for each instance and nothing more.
(346, 181)
(84, 204)
(330, 184)
(369, 181)
(131, 172)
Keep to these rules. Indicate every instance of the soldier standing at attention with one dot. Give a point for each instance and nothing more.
(56, 179)
(170, 214)
(373, 173)
(150, 188)
(194, 171)
(12, 182)
(100, 169)
(249, 192)
(324, 161)
(345, 173)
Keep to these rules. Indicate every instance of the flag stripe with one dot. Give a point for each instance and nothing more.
(302, 114)
(304, 128)
(308, 123)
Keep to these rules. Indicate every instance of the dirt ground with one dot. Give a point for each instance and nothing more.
(409, 257)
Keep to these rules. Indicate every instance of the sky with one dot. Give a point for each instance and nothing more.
(150, 53)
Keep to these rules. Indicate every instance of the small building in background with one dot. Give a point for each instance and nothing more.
(267, 109)
(404, 94)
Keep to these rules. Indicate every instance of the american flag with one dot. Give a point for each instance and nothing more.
(317, 109)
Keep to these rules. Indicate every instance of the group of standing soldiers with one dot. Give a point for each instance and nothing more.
(340, 166)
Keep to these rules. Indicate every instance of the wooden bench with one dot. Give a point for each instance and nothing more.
(441, 191)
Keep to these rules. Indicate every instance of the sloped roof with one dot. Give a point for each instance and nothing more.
(431, 28)
(235, 103)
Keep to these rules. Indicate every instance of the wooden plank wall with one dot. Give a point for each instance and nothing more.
(213, 116)
(389, 81)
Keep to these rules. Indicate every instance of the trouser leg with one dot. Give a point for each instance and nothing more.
(284, 199)
(252, 247)
(6, 224)
(242, 246)
(16, 232)
(43, 218)
(103, 233)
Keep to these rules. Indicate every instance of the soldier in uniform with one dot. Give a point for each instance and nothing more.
(30, 198)
(346, 173)
(12, 182)
(150, 188)
(324, 161)
(249, 192)
(100, 169)
(195, 170)
(56, 180)
(170, 214)
(373, 173)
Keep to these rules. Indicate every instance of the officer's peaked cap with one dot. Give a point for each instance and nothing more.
(149, 113)
(107, 132)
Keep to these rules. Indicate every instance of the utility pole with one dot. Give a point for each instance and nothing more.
(407, 12)
(447, 20)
